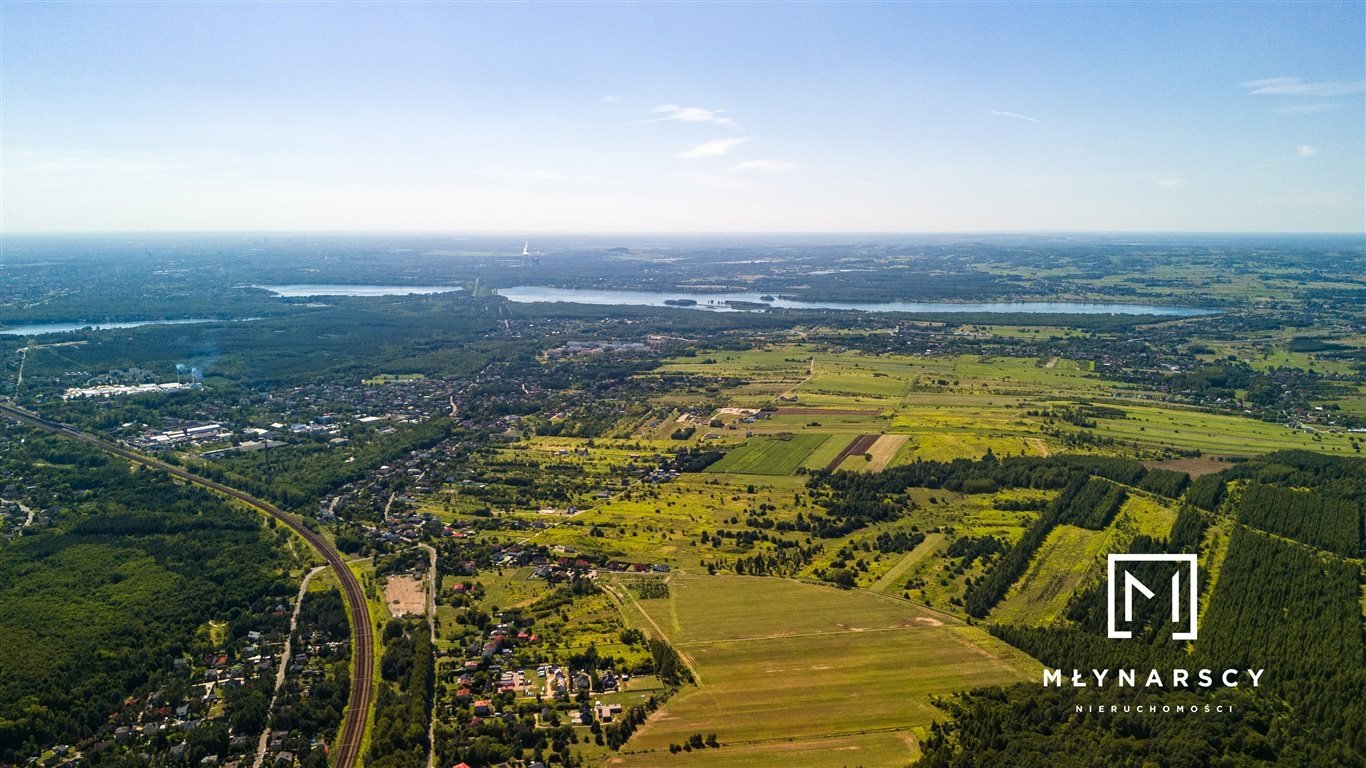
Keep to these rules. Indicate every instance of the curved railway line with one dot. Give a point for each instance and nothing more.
(362, 632)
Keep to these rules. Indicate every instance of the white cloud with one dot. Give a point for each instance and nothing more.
(765, 166)
(1306, 150)
(1294, 86)
(714, 148)
(1172, 183)
(1015, 115)
(692, 115)
(609, 99)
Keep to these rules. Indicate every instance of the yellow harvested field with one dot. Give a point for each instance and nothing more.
(884, 449)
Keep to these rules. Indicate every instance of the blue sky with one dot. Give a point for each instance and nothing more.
(688, 117)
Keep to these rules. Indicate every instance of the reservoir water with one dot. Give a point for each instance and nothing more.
(303, 290)
(716, 302)
(38, 329)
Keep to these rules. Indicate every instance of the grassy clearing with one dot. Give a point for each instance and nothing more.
(890, 583)
(869, 749)
(795, 669)
(663, 523)
(1062, 564)
(1146, 515)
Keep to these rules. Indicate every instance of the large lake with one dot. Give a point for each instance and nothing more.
(38, 329)
(717, 303)
(299, 291)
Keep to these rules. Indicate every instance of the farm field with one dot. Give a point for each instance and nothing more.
(1216, 432)
(809, 669)
(960, 406)
(779, 455)
(882, 452)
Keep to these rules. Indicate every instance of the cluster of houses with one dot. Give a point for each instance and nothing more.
(15, 517)
(190, 699)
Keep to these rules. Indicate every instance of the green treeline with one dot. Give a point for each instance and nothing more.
(1094, 504)
(1296, 612)
(668, 666)
(1279, 605)
(1206, 492)
(1323, 521)
(297, 476)
(1165, 482)
(403, 704)
(1087, 501)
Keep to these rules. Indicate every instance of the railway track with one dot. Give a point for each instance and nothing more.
(362, 631)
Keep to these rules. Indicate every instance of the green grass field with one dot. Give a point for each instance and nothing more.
(1072, 557)
(773, 455)
(962, 405)
(1062, 564)
(797, 671)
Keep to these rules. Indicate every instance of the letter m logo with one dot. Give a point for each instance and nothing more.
(1183, 597)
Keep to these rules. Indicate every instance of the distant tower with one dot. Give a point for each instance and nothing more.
(525, 252)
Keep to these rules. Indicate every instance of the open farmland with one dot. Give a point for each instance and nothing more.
(960, 406)
(777, 455)
(800, 670)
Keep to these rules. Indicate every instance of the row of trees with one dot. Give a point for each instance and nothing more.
(1322, 521)
(403, 703)
(1278, 605)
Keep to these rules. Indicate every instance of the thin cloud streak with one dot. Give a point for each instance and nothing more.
(1306, 109)
(1295, 86)
(1015, 115)
(682, 114)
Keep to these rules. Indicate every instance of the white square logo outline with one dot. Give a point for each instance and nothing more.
(1117, 634)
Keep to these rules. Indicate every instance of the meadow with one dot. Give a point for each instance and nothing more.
(797, 671)
(960, 406)
(776, 455)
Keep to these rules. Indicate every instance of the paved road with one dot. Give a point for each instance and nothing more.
(362, 630)
(284, 662)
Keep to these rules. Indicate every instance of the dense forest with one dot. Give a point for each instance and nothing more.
(101, 602)
(1278, 604)
(403, 701)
